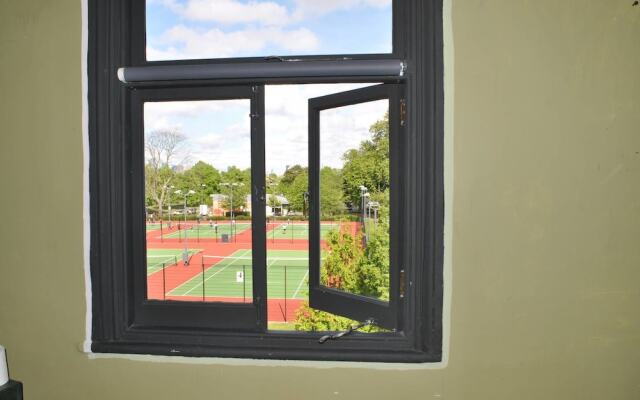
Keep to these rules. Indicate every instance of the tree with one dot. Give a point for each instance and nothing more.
(272, 181)
(238, 192)
(161, 146)
(331, 200)
(349, 265)
(369, 164)
(192, 179)
(295, 192)
(351, 268)
(289, 175)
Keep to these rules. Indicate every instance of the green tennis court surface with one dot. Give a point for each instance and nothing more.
(206, 231)
(286, 230)
(231, 276)
(161, 258)
(153, 227)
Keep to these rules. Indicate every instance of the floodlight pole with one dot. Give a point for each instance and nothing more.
(231, 185)
(169, 201)
(185, 253)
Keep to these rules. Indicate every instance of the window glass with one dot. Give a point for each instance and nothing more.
(354, 198)
(193, 29)
(349, 129)
(198, 200)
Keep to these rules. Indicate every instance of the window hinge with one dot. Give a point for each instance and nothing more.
(403, 111)
(402, 283)
(349, 331)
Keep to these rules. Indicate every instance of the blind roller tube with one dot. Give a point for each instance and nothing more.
(283, 69)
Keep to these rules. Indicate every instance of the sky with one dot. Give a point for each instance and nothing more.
(218, 132)
(187, 29)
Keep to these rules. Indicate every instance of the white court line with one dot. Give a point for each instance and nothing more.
(300, 285)
(210, 276)
(270, 263)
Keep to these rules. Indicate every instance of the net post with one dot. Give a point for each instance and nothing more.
(161, 233)
(203, 280)
(285, 293)
(164, 283)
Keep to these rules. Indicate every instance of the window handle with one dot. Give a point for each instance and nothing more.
(349, 331)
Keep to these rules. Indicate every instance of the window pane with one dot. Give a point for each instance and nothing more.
(286, 149)
(197, 193)
(192, 29)
(354, 198)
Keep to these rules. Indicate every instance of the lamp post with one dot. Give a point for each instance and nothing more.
(168, 191)
(202, 197)
(374, 205)
(363, 194)
(185, 253)
(305, 202)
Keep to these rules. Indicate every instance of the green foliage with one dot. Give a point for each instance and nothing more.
(193, 179)
(311, 320)
(294, 192)
(331, 201)
(234, 174)
(369, 164)
(289, 176)
(349, 265)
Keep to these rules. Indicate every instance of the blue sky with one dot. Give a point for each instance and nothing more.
(218, 131)
(185, 29)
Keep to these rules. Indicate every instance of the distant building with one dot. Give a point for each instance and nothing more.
(278, 208)
(217, 202)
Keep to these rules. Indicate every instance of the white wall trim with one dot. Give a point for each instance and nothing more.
(86, 216)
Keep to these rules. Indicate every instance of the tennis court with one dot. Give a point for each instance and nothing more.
(153, 227)
(285, 230)
(231, 277)
(157, 259)
(207, 231)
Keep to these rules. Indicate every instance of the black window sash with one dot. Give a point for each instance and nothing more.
(146, 313)
(350, 305)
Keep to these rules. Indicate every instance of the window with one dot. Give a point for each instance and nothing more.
(263, 206)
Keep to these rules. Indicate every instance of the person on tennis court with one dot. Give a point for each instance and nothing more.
(215, 227)
(284, 229)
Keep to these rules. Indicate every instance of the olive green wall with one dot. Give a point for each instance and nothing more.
(546, 217)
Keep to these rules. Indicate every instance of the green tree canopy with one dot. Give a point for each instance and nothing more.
(239, 192)
(369, 164)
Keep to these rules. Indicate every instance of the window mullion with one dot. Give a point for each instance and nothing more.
(258, 194)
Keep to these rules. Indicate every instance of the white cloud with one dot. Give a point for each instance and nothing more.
(233, 12)
(229, 146)
(286, 124)
(181, 42)
(218, 132)
(313, 8)
(172, 109)
(262, 12)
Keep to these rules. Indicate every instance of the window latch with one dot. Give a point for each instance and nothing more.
(349, 331)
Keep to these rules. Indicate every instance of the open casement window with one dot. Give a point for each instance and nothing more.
(155, 279)
(326, 288)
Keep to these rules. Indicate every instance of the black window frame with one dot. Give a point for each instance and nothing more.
(385, 313)
(116, 243)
